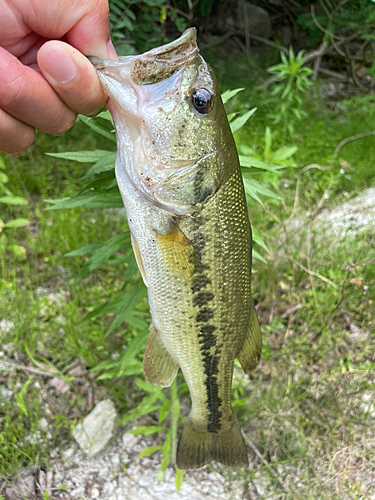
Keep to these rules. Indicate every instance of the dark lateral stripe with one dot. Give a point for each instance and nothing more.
(202, 298)
(206, 337)
(204, 315)
(201, 281)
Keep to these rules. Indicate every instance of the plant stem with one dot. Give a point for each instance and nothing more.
(175, 416)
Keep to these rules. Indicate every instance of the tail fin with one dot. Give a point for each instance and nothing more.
(198, 447)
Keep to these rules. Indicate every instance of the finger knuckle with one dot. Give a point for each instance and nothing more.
(64, 126)
(12, 93)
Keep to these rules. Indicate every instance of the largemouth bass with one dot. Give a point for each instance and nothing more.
(179, 176)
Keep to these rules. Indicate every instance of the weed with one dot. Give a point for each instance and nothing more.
(291, 84)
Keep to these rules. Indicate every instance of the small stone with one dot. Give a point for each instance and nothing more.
(6, 326)
(97, 429)
(78, 492)
(5, 393)
(129, 440)
(115, 459)
(43, 423)
(95, 493)
(68, 453)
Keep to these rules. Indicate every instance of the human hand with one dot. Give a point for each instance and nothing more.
(45, 80)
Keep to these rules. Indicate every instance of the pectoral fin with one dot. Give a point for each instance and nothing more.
(249, 356)
(138, 258)
(159, 367)
(179, 254)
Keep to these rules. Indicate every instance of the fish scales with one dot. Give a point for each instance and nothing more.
(178, 172)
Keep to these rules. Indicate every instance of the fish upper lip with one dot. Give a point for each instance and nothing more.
(154, 65)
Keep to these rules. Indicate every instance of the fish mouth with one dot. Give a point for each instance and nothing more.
(156, 64)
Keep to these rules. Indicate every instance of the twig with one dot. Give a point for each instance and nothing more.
(262, 459)
(334, 74)
(318, 60)
(325, 31)
(349, 139)
(291, 310)
(309, 167)
(321, 202)
(313, 273)
(30, 369)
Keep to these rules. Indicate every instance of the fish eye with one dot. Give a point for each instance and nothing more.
(202, 101)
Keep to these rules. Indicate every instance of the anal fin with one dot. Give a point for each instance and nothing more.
(249, 355)
(159, 367)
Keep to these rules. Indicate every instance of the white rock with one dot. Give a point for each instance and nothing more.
(129, 440)
(95, 493)
(115, 459)
(43, 423)
(5, 393)
(97, 429)
(6, 326)
(78, 492)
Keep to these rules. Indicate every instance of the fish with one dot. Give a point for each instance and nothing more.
(179, 176)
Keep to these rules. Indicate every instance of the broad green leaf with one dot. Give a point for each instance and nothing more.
(253, 187)
(131, 268)
(283, 153)
(109, 198)
(149, 451)
(13, 200)
(97, 127)
(135, 347)
(166, 452)
(18, 250)
(102, 254)
(146, 386)
(257, 256)
(241, 120)
(130, 301)
(17, 223)
(179, 477)
(103, 165)
(164, 410)
(81, 156)
(106, 115)
(101, 184)
(19, 396)
(258, 239)
(112, 306)
(146, 406)
(134, 368)
(136, 322)
(145, 431)
(249, 162)
(85, 250)
(228, 94)
(3, 178)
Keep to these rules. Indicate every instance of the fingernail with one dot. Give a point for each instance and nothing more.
(111, 51)
(59, 64)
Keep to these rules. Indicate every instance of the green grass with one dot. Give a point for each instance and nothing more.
(302, 408)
